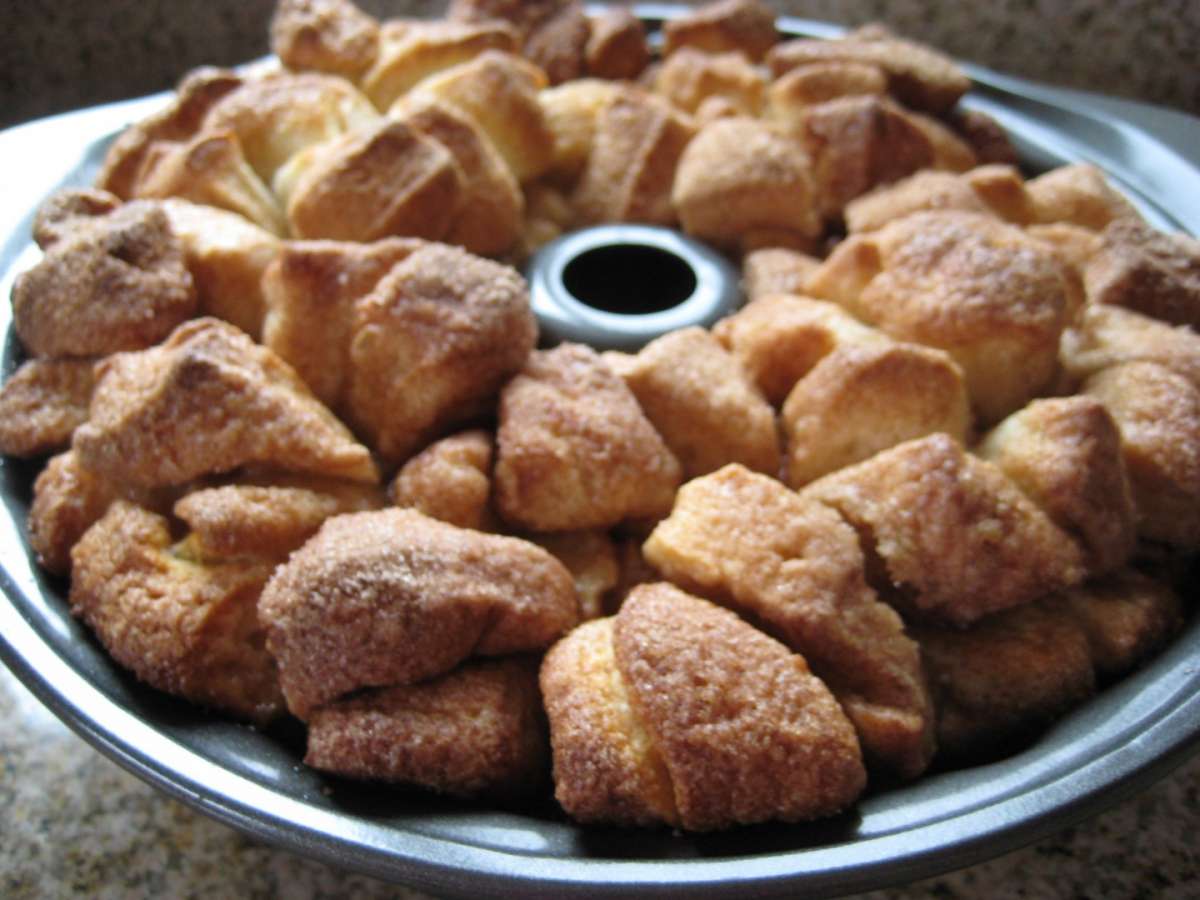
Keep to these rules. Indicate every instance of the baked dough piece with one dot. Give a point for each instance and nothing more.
(571, 111)
(617, 47)
(1105, 336)
(476, 731)
(432, 344)
(956, 538)
(383, 180)
(993, 298)
(42, 404)
(1078, 194)
(1006, 678)
(451, 480)
(116, 282)
(698, 398)
(860, 399)
(552, 33)
(780, 337)
(746, 26)
(775, 270)
(411, 51)
(918, 76)
(499, 93)
(676, 712)
(332, 36)
(986, 137)
(690, 77)
(182, 626)
(64, 210)
(1073, 244)
(793, 93)
(574, 450)
(310, 291)
(793, 566)
(1065, 454)
(1127, 617)
(742, 175)
(209, 400)
(1148, 271)
(1158, 413)
(630, 172)
(591, 558)
(394, 597)
(995, 189)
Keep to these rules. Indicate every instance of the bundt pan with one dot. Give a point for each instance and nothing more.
(1126, 737)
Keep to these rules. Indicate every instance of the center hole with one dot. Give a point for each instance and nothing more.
(629, 279)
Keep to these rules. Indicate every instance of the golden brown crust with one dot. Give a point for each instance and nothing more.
(383, 180)
(433, 342)
(571, 111)
(394, 597)
(918, 76)
(64, 305)
(861, 399)
(957, 538)
(1158, 413)
(1106, 336)
(478, 730)
(698, 398)
(42, 404)
(630, 171)
(1065, 454)
(552, 33)
(617, 47)
(775, 270)
(747, 26)
(332, 36)
(187, 628)
(1074, 244)
(986, 189)
(63, 210)
(1148, 271)
(792, 94)
(310, 292)
(1078, 195)
(1007, 677)
(209, 400)
(749, 543)
(451, 480)
(591, 559)
(740, 175)
(575, 450)
(690, 77)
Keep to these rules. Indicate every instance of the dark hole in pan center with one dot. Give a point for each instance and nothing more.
(629, 279)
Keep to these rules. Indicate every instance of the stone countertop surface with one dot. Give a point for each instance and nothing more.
(75, 824)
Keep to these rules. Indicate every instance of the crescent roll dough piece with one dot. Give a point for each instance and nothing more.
(432, 344)
(181, 626)
(993, 298)
(575, 450)
(677, 712)
(986, 189)
(571, 111)
(394, 597)
(1007, 677)
(383, 180)
(1078, 195)
(116, 282)
(209, 400)
(1065, 454)
(741, 175)
(411, 51)
(310, 291)
(591, 558)
(1158, 413)
(698, 398)
(1143, 269)
(64, 210)
(451, 480)
(1106, 336)
(775, 270)
(332, 36)
(747, 26)
(861, 399)
(689, 77)
(629, 174)
(791, 94)
(956, 538)
(42, 404)
(779, 338)
(617, 47)
(749, 543)
(477, 730)
(552, 33)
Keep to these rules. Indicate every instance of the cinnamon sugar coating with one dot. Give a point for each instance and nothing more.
(450, 480)
(861, 399)
(617, 47)
(987, 189)
(63, 210)
(574, 449)
(1105, 336)
(796, 569)
(42, 404)
(332, 36)
(552, 33)
(677, 712)
(689, 77)
(478, 730)
(747, 26)
(184, 627)
(792, 93)
(1148, 271)
(1065, 454)
(956, 538)
(1078, 195)
(113, 283)
(209, 400)
(432, 345)
(394, 597)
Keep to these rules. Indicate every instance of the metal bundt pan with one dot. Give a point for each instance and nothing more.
(1128, 736)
